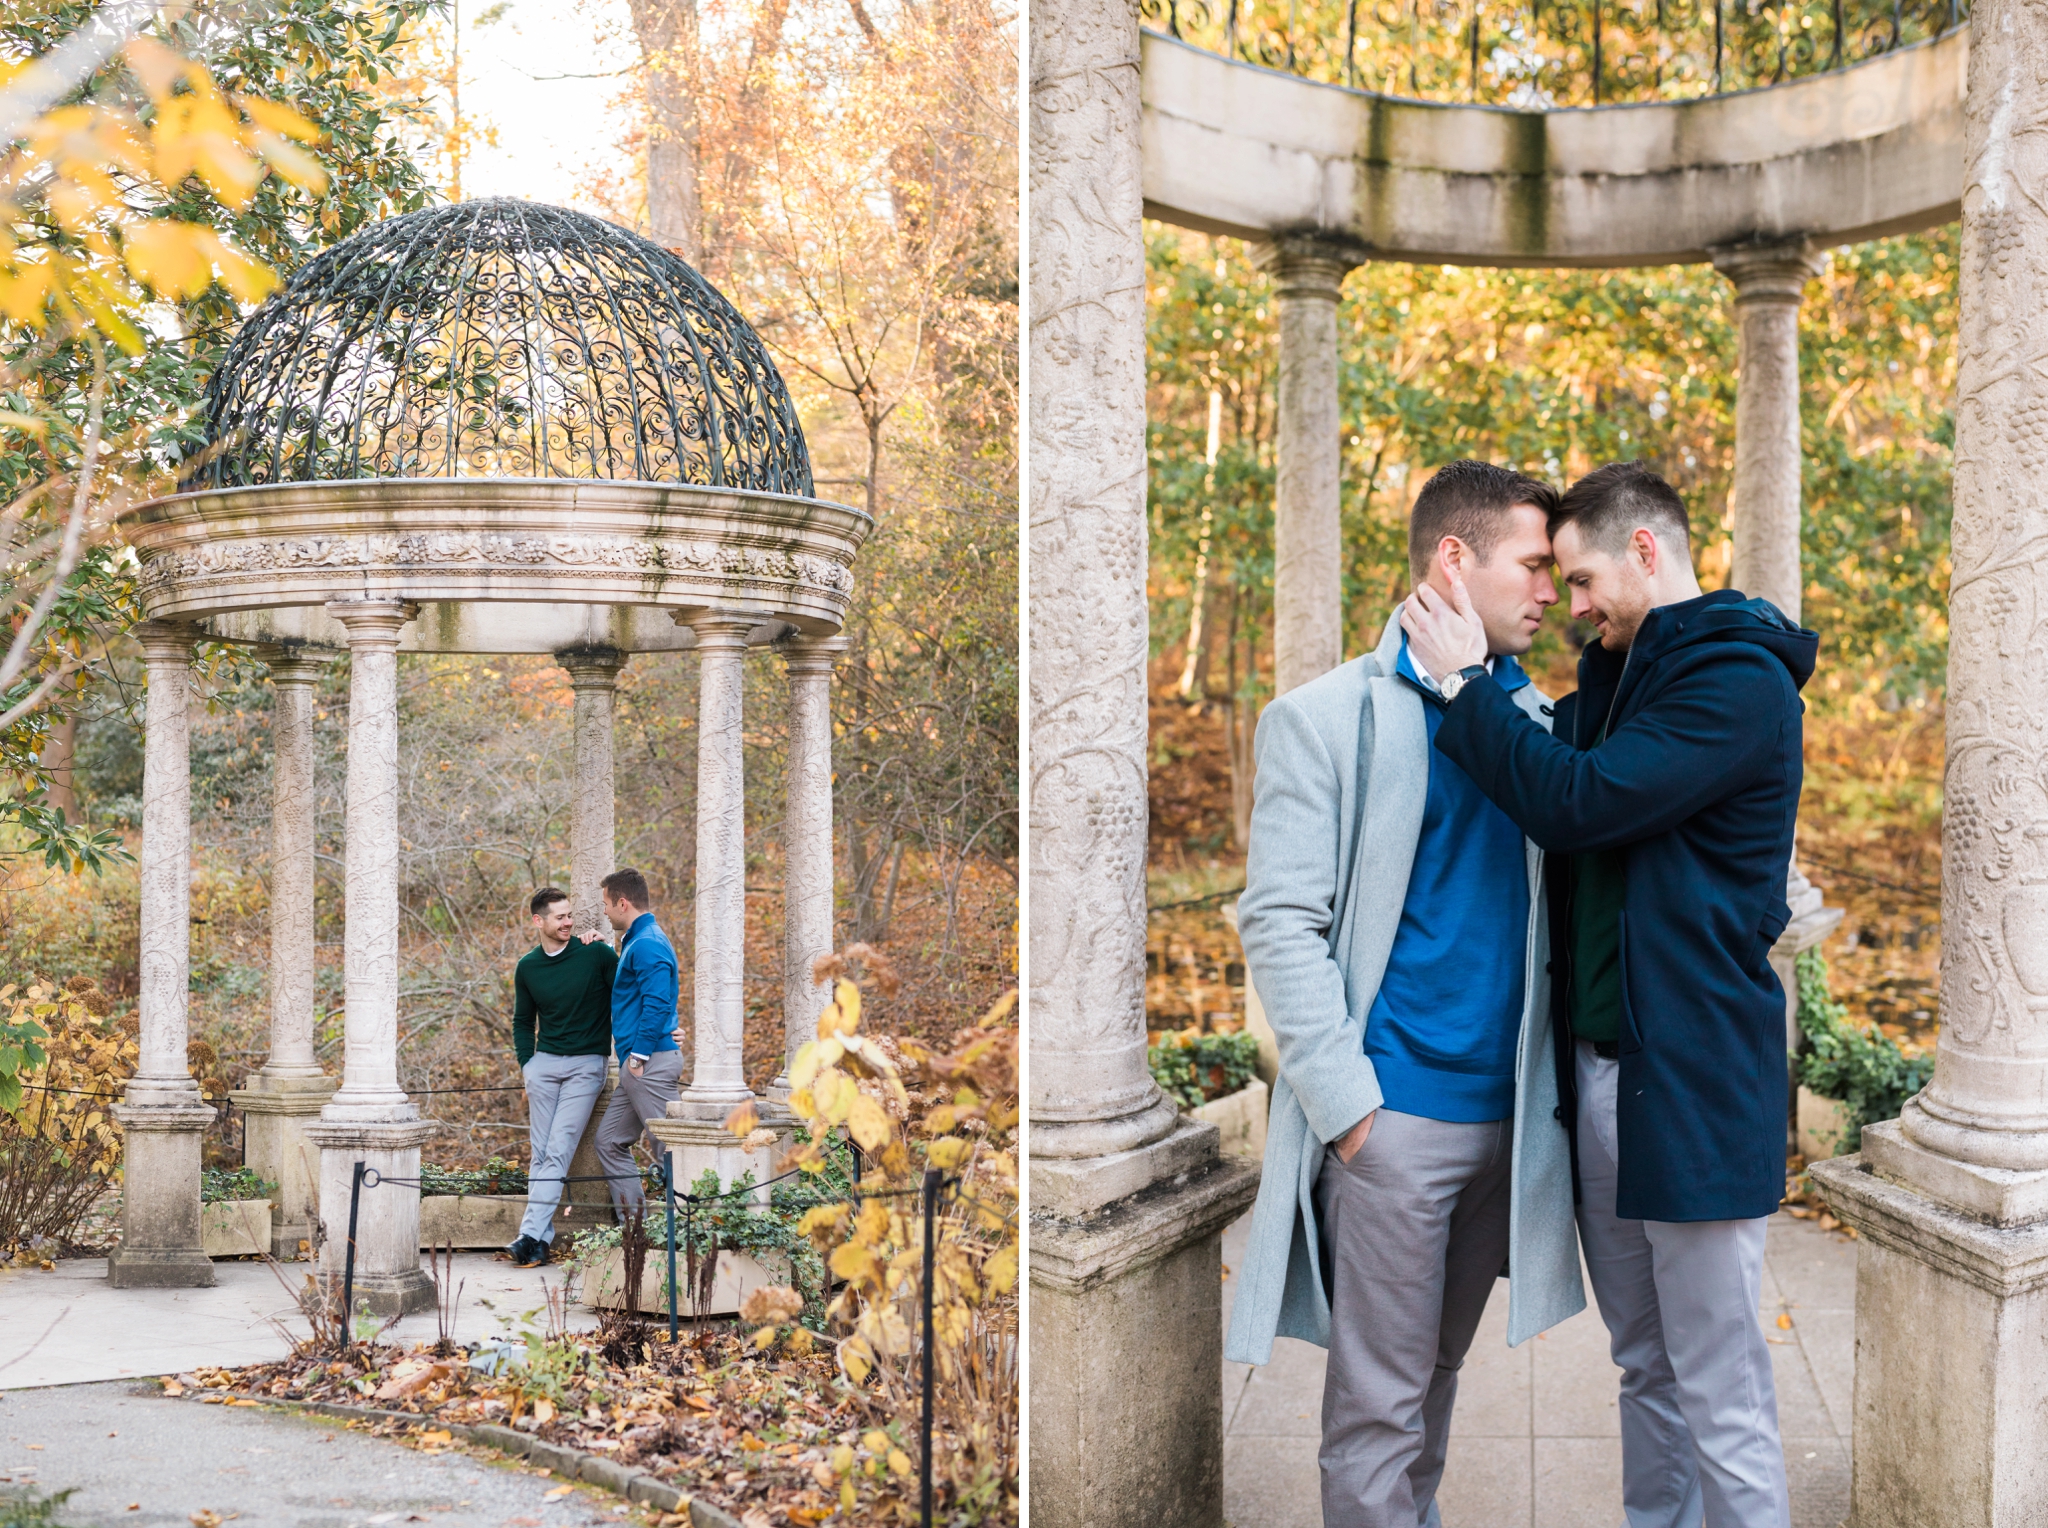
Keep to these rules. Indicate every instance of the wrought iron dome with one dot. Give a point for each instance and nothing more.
(499, 338)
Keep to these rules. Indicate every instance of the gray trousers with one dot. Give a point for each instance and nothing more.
(1414, 1233)
(635, 1101)
(1699, 1411)
(559, 1093)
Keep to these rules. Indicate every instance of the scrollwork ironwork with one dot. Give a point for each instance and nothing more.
(500, 338)
(1539, 54)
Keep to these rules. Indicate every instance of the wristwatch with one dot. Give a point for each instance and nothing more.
(1450, 684)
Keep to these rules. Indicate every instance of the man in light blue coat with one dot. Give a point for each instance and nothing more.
(1394, 926)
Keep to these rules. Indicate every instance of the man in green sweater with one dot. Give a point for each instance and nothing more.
(562, 1029)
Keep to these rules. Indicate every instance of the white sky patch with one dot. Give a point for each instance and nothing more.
(551, 130)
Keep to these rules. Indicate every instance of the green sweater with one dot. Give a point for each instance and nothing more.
(568, 997)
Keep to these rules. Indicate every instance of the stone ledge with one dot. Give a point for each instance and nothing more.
(2001, 1261)
(1995, 1195)
(1074, 1256)
(570, 1463)
(1073, 1188)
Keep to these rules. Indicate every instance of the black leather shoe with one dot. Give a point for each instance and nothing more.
(535, 1254)
(520, 1249)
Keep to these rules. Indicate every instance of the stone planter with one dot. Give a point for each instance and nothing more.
(602, 1286)
(235, 1227)
(1823, 1123)
(1241, 1118)
(486, 1222)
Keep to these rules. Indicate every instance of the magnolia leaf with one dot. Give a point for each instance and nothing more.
(858, 1359)
(948, 1152)
(856, 1264)
(173, 260)
(279, 118)
(1001, 1269)
(869, 1123)
(292, 162)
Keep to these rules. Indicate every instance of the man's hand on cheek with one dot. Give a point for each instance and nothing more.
(1443, 635)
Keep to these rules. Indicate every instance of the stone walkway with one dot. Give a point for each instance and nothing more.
(70, 1325)
(180, 1463)
(1536, 1441)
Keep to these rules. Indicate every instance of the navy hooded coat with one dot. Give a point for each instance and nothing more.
(1697, 786)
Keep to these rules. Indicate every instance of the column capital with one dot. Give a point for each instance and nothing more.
(592, 668)
(1307, 264)
(167, 641)
(372, 623)
(814, 655)
(721, 630)
(294, 665)
(1769, 272)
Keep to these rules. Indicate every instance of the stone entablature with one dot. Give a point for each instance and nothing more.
(1837, 158)
(679, 548)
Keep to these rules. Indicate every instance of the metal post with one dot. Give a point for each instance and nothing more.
(932, 1178)
(668, 1183)
(348, 1266)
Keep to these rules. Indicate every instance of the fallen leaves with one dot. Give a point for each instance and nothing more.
(557, 1494)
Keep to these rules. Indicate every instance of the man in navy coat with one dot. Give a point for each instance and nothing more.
(1666, 795)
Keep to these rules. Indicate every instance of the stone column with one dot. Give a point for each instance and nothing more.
(1769, 280)
(1308, 549)
(1952, 1199)
(162, 1115)
(369, 1119)
(806, 844)
(594, 676)
(1103, 1263)
(290, 1090)
(694, 1131)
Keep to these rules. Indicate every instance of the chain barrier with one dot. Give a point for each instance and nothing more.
(930, 1188)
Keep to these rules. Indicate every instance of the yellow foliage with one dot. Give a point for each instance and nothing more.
(59, 1151)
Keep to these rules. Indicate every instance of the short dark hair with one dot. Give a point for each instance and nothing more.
(1610, 503)
(545, 898)
(627, 886)
(1469, 500)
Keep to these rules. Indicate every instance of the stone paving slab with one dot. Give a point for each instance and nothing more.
(118, 1444)
(1535, 1442)
(70, 1326)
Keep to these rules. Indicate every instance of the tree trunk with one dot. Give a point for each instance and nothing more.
(58, 754)
(667, 30)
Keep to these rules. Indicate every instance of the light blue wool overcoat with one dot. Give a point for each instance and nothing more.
(1333, 838)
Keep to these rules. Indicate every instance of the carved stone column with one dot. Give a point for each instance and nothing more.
(369, 1119)
(1308, 550)
(1769, 280)
(1103, 1450)
(162, 1114)
(694, 1131)
(1952, 1198)
(290, 1090)
(594, 675)
(806, 844)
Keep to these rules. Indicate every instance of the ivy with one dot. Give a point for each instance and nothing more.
(1195, 1068)
(1862, 1069)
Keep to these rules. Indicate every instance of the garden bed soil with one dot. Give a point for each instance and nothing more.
(755, 1434)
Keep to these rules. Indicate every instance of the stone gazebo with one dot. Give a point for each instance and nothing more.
(492, 427)
(1755, 137)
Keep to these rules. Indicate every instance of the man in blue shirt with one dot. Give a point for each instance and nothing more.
(643, 1035)
(1391, 932)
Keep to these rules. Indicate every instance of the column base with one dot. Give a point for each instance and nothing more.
(162, 1245)
(275, 1112)
(388, 1276)
(1994, 1195)
(1104, 1450)
(695, 1148)
(1951, 1393)
(1074, 1187)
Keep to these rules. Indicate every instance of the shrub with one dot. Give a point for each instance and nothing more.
(1194, 1067)
(225, 1185)
(962, 1121)
(497, 1176)
(1862, 1069)
(59, 1152)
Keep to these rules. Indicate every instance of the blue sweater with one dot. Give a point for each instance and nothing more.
(644, 992)
(1442, 1031)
